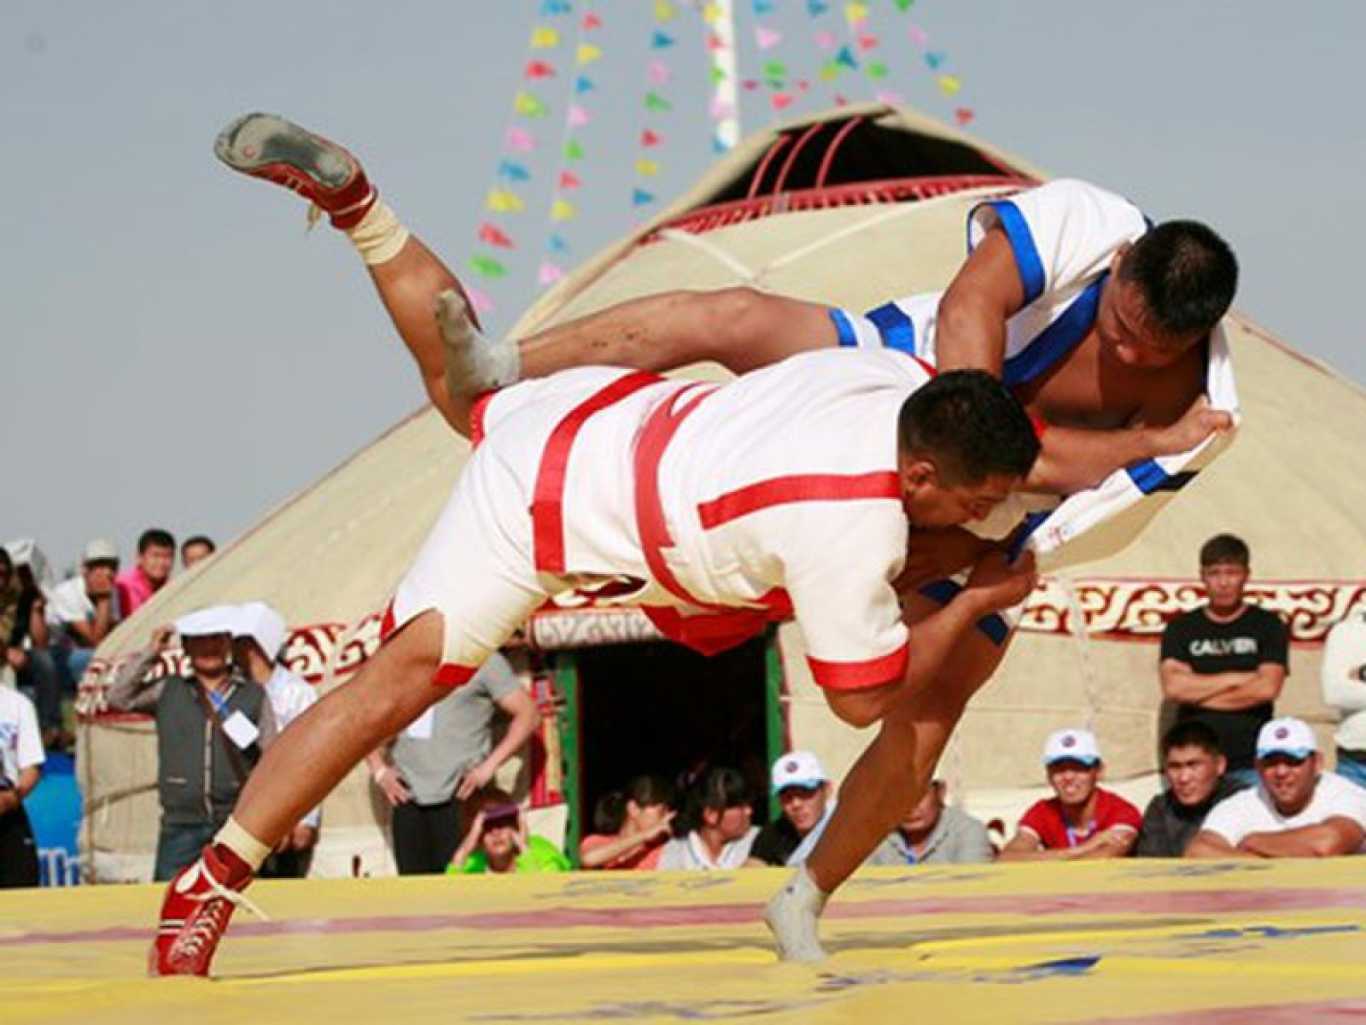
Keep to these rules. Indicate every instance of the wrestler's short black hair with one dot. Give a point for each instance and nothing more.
(1191, 733)
(970, 424)
(1187, 273)
(155, 537)
(1225, 548)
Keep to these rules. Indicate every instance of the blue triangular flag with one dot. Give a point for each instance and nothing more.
(550, 8)
(846, 57)
(763, 6)
(661, 40)
(816, 8)
(639, 197)
(510, 170)
(583, 85)
(557, 244)
(718, 145)
(934, 60)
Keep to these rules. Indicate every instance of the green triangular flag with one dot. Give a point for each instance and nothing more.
(775, 69)
(487, 266)
(573, 150)
(717, 75)
(876, 70)
(903, 5)
(653, 101)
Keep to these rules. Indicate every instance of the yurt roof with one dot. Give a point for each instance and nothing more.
(1292, 484)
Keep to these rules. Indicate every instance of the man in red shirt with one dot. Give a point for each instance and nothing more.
(1081, 820)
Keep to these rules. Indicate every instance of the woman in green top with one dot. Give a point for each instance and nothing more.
(498, 841)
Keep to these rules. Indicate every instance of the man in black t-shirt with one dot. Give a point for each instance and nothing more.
(1224, 664)
(805, 796)
(1193, 767)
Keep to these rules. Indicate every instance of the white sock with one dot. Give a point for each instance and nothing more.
(379, 236)
(473, 363)
(243, 844)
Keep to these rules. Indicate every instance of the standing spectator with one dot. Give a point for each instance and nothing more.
(84, 610)
(24, 632)
(631, 828)
(1081, 820)
(935, 834)
(258, 637)
(1298, 811)
(1194, 768)
(447, 755)
(211, 728)
(196, 549)
(807, 802)
(147, 576)
(721, 837)
(21, 759)
(498, 841)
(1344, 687)
(1225, 663)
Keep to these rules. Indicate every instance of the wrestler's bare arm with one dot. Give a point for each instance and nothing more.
(970, 333)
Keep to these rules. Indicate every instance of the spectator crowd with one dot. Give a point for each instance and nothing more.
(1237, 780)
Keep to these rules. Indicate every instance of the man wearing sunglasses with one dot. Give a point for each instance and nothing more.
(1298, 811)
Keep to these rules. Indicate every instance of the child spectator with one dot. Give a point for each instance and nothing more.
(498, 841)
(630, 829)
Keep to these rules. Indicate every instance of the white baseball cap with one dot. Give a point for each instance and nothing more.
(1071, 746)
(208, 622)
(1286, 736)
(798, 769)
(263, 625)
(100, 550)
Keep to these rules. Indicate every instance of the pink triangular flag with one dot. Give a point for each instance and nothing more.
(721, 108)
(918, 36)
(767, 38)
(548, 273)
(890, 98)
(659, 72)
(750, 84)
(803, 85)
(481, 302)
(780, 100)
(715, 42)
(841, 100)
(577, 116)
(519, 140)
(825, 40)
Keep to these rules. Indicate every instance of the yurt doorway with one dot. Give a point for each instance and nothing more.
(659, 708)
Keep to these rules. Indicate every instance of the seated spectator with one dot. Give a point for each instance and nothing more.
(196, 549)
(1298, 811)
(211, 729)
(1344, 687)
(147, 576)
(498, 841)
(21, 759)
(1081, 820)
(721, 835)
(24, 632)
(807, 802)
(258, 638)
(84, 610)
(935, 834)
(1193, 768)
(447, 755)
(631, 829)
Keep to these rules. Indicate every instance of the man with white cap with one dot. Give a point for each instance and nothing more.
(804, 794)
(1081, 820)
(212, 725)
(1298, 811)
(84, 610)
(258, 640)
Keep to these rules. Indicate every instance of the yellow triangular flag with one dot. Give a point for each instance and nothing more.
(561, 210)
(949, 84)
(543, 38)
(647, 168)
(504, 202)
(664, 10)
(588, 53)
(855, 13)
(711, 14)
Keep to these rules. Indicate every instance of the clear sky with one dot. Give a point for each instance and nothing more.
(178, 352)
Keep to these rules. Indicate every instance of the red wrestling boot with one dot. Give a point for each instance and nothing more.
(269, 147)
(195, 912)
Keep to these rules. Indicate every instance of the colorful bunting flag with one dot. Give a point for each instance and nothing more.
(890, 98)
(519, 140)
(487, 266)
(639, 197)
(529, 105)
(562, 210)
(479, 300)
(716, 75)
(866, 41)
(587, 53)
(544, 38)
(762, 7)
(548, 273)
(664, 11)
(918, 35)
(846, 57)
(646, 168)
(933, 60)
(775, 69)
(661, 41)
(780, 100)
(538, 69)
(658, 73)
(557, 244)
(963, 115)
(816, 8)
(568, 180)
(573, 150)
(825, 39)
(653, 101)
(510, 170)
(576, 117)
(855, 13)
(903, 5)
(767, 38)
(583, 84)
(711, 13)
(876, 70)
(590, 22)
(829, 71)
(551, 8)
(949, 85)
(649, 138)
(494, 236)
(504, 201)
(722, 108)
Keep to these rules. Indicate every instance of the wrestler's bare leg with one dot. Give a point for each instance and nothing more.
(886, 781)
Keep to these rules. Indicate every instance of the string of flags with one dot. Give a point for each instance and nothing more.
(656, 102)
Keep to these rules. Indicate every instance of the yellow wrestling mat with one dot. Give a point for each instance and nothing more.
(1129, 942)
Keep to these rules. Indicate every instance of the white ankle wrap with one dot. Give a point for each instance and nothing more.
(243, 844)
(379, 236)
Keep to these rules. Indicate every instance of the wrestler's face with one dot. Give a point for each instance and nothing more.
(1126, 331)
(1289, 781)
(929, 502)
